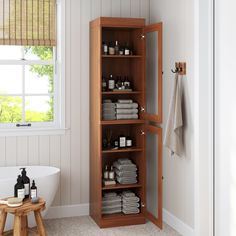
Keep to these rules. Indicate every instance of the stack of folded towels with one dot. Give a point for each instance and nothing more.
(108, 110)
(126, 171)
(111, 203)
(126, 109)
(130, 203)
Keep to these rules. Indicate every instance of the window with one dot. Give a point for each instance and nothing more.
(27, 84)
(30, 65)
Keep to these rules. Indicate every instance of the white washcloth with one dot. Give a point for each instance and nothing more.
(173, 135)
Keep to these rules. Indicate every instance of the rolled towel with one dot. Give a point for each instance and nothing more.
(126, 111)
(125, 106)
(127, 116)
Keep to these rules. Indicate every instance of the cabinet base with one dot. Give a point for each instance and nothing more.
(117, 220)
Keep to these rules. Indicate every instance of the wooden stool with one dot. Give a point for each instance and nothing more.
(20, 218)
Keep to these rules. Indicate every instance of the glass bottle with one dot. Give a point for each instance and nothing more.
(127, 52)
(104, 84)
(106, 173)
(122, 141)
(111, 49)
(111, 83)
(104, 48)
(116, 48)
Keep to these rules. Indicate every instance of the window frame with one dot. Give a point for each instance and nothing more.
(58, 125)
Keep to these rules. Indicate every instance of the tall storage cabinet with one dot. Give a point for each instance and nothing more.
(144, 68)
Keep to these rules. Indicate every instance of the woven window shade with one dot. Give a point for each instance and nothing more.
(28, 22)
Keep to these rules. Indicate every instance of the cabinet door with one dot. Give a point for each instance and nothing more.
(153, 71)
(154, 174)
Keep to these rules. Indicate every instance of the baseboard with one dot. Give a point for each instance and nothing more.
(67, 211)
(177, 224)
(83, 210)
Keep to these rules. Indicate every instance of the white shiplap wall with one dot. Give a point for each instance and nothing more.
(70, 152)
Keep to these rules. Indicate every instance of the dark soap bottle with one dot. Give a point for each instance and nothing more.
(33, 190)
(19, 190)
(26, 182)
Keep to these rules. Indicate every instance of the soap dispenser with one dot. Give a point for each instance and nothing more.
(26, 182)
(19, 188)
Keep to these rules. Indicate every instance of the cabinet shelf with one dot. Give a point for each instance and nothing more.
(121, 92)
(121, 215)
(121, 56)
(121, 186)
(122, 122)
(122, 150)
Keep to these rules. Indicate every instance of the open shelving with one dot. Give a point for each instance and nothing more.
(127, 31)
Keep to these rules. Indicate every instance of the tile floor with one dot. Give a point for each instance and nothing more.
(85, 226)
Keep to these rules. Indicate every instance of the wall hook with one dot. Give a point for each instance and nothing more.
(180, 68)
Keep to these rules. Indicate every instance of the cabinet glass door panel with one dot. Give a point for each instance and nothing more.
(152, 73)
(154, 174)
(153, 91)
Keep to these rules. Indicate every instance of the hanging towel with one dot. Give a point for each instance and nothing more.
(173, 135)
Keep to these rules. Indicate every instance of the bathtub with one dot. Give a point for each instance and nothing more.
(46, 179)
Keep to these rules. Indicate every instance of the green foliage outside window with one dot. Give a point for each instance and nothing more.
(11, 107)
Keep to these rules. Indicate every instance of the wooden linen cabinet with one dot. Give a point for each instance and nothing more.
(144, 68)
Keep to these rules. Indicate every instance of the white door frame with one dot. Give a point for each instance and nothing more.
(204, 122)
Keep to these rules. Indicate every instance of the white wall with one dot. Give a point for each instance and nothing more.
(225, 119)
(70, 152)
(178, 45)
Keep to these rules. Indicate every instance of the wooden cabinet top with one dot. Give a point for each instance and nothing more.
(118, 22)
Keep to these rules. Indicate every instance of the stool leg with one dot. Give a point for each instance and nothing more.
(3, 217)
(17, 226)
(39, 222)
(24, 226)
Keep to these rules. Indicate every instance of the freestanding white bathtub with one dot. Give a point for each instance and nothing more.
(46, 179)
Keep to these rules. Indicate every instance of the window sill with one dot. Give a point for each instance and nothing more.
(32, 132)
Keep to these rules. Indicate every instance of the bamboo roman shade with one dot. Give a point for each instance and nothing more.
(28, 22)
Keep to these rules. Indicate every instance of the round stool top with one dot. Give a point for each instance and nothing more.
(25, 208)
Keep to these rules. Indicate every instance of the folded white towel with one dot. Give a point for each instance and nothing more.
(125, 167)
(126, 111)
(111, 211)
(125, 101)
(124, 161)
(127, 116)
(126, 173)
(130, 204)
(128, 193)
(130, 199)
(112, 206)
(126, 180)
(131, 211)
(125, 106)
(173, 136)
